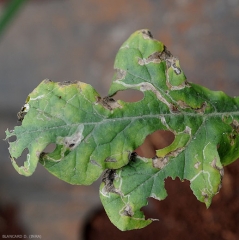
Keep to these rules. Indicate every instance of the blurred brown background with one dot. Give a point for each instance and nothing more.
(78, 40)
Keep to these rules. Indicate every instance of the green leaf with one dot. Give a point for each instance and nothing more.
(95, 135)
(205, 125)
(91, 134)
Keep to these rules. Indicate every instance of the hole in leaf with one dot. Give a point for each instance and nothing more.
(155, 141)
(12, 138)
(50, 148)
(150, 210)
(168, 208)
(20, 161)
(129, 95)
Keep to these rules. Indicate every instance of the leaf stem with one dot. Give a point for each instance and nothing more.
(9, 13)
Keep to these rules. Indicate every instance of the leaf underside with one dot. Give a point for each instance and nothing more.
(95, 135)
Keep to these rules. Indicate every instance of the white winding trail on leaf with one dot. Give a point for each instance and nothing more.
(38, 97)
(209, 182)
(203, 151)
(163, 121)
(203, 171)
(67, 102)
(28, 161)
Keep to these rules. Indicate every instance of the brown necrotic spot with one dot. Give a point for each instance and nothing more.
(170, 60)
(205, 195)
(120, 74)
(202, 108)
(213, 164)
(75, 139)
(132, 156)
(21, 114)
(146, 34)
(66, 83)
(108, 103)
(220, 170)
(153, 58)
(176, 69)
(160, 162)
(235, 125)
(197, 164)
(173, 108)
(166, 55)
(127, 211)
(108, 178)
(110, 159)
(95, 163)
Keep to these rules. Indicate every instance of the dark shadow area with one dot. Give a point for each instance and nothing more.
(10, 223)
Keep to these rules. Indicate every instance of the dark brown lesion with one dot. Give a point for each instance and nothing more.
(205, 196)
(120, 74)
(170, 60)
(174, 108)
(127, 211)
(166, 55)
(132, 156)
(158, 57)
(232, 137)
(202, 108)
(153, 58)
(183, 105)
(220, 170)
(161, 162)
(235, 125)
(146, 34)
(21, 114)
(69, 144)
(108, 178)
(23, 111)
(108, 103)
(234, 133)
